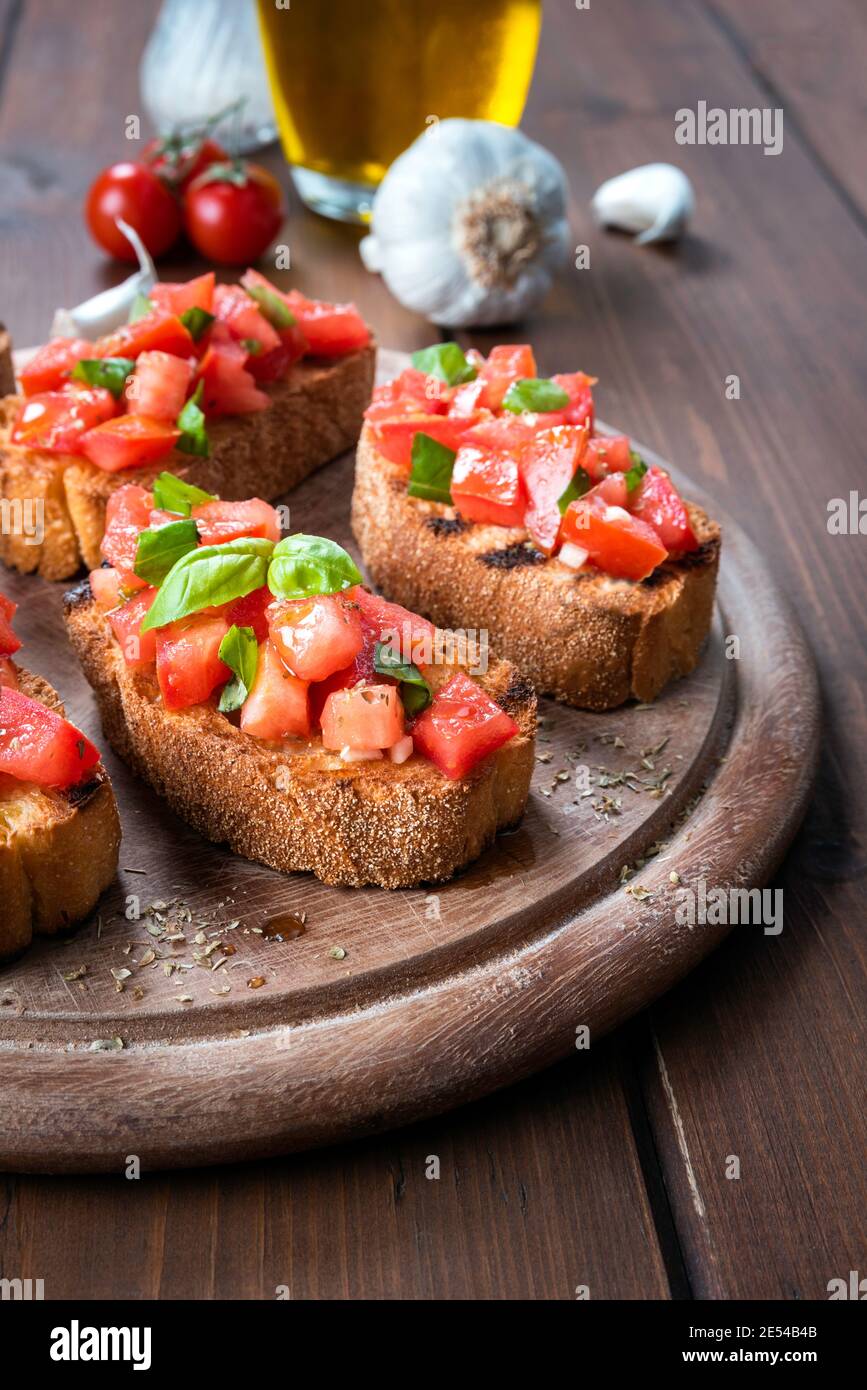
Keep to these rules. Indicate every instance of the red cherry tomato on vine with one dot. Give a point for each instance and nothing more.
(232, 212)
(178, 163)
(133, 192)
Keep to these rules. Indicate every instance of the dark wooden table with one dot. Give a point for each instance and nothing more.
(610, 1170)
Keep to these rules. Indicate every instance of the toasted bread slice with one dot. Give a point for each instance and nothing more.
(584, 637)
(314, 415)
(296, 806)
(58, 849)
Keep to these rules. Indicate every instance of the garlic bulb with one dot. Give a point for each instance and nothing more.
(655, 200)
(469, 224)
(110, 308)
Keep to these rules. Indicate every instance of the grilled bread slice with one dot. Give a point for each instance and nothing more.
(58, 849)
(314, 415)
(296, 806)
(583, 637)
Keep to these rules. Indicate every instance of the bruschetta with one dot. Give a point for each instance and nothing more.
(484, 498)
(236, 388)
(281, 707)
(59, 828)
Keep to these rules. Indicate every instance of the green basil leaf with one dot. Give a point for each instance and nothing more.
(140, 308)
(445, 361)
(172, 494)
(415, 691)
(208, 577)
(272, 307)
(432, 465)
(158, 550)
(634, 475)
(535, 393)
(108, 372)
(306, 565)
(252, 345)
(191, 423)
(581, 483)
(196, 321)
(240, 651)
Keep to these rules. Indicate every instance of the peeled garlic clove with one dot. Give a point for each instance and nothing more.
(654, 200)
(110, 308)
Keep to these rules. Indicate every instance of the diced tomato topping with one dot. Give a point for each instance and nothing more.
(159, 385)
(389, 622)
(366, 717)
(657, 501)
(233, 306)
(226, 521)
(316, 636)
(38, 745)
(487, 486)
(156, 332)
(176, 299)
(138, 648)
(251, 611)
(128, 512)
(505, 365)
(612, 490)
(413, 389)
(8, 678)
(105, 587)
(504, 432)
(277, 706)
(9, 642)
(468, 398)
(579, 388)
(60, 420)
(229, 389)
(189, 668)
(547, 465)
(129, 441)
(49, 368)
(461, 726)
(607, 453)
(617, 543)
(394, 435)
(271, 366)
(332, 330)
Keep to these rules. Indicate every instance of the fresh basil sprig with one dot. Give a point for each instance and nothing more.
(445, 361)
(191, 423)
(634, 475)
(140, 308)
(240, 651)
(172, 494)
(432, 465)
(196, 321)
(272, 307)
(210, 576)
(581, 483)
(415, 691)
(159, 550)
(538, 394)
(109, 372)
(305, 565)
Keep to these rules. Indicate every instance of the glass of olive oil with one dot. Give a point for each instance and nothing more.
(354, 82)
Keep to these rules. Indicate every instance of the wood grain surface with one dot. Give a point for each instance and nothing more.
(608, 1170)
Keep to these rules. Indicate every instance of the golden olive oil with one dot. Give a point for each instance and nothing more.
(356, 81)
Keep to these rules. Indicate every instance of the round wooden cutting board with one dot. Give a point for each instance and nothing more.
(187, 1023)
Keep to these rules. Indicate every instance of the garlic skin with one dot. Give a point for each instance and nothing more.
(655, 200)
(469, 224)
(110, 308)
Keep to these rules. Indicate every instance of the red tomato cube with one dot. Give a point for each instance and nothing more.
(364, 718)
(461, 727)
(38, 745)
(138, 648)
(129, 441)
(657, 501)
(277, 706)
(505, 365)
(49, 368)
(159, 385)
(619, 544)
(176, 299)
(226, 521)
(487, 486)
(189, 668)
(316, 636)
(9, 643)
(547, 466)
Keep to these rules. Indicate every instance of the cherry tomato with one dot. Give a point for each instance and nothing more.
(231, 213)
(135, 193)
(178, 161)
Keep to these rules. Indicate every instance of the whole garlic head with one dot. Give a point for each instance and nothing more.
(654, 200)
(469, 224)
